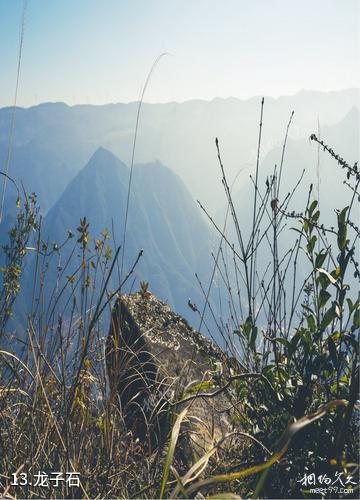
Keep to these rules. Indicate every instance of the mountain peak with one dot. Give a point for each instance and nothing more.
(105, 160)
(104, 154)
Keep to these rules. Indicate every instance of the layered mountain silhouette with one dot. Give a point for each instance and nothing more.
(163, 221)
(55, 140)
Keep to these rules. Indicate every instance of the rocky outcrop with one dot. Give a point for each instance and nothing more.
(155, 361)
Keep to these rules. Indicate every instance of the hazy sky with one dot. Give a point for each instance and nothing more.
(96, 51)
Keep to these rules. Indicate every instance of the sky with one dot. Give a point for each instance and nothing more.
(98, 51)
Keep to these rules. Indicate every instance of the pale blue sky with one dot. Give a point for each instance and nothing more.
(98, 51)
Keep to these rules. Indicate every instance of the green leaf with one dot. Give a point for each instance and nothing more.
(344, 260)
(341, 238)
(253, 337)
(311, 322)
(328, 275)
(294, 341)
(342, 229)
(284, 342)
(312, 207)
(316, 216)
(323, 281)
(324, 296)
(329, 316)
(332, 350)
(341, 215)
(308, 309)
(356, 320)
(247, 326)
(311, 245)
(320, 258)
(350, 305)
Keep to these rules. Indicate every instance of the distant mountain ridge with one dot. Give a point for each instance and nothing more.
(55, 140)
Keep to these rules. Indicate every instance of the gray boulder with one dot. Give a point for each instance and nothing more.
(157, 364)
